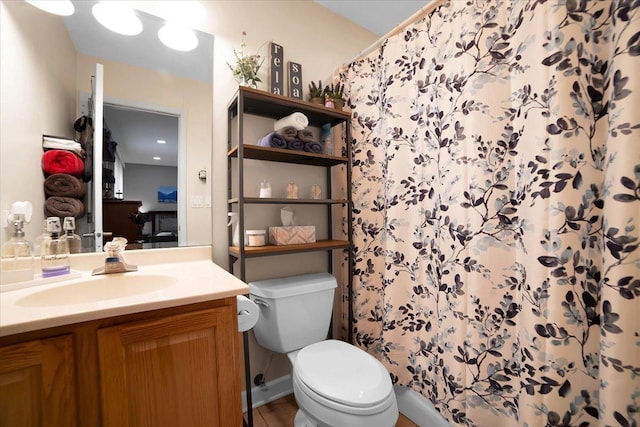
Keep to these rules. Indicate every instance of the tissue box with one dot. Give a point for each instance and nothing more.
(292, 235)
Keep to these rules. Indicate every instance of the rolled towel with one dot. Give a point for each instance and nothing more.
(313, 147)
(306, 135)
(288, 133)
(274, 140)
(61, 161)
(296, 120)
(310, 144)
(63, 185)
(63, 206)
(295, 144)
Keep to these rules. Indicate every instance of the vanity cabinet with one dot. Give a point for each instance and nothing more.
(151, 365)
(166, 367)
(37, 383)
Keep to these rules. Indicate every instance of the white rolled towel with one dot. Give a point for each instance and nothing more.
(296, 120)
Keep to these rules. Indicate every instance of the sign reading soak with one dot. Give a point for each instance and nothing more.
(295, 80)
(276, 82)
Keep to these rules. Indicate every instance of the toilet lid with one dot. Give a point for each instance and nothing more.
(343, 373)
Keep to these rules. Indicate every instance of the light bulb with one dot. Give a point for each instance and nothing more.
(178, 37)
(117, 17)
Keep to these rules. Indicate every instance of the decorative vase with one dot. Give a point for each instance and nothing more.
(247, 82)
(317, 100)
(338, 104)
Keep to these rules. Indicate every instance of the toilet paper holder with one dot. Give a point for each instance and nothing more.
(248, 313)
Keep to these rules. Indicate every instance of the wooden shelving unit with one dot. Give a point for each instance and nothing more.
(259, 103)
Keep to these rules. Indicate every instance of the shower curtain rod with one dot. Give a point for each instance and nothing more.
(426, 9)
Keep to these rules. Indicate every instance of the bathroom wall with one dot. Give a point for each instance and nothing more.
(33, 102)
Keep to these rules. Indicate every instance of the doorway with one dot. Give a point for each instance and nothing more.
(142, 155)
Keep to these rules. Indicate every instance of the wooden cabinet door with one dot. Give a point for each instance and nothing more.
(37, 383)
(181, 370)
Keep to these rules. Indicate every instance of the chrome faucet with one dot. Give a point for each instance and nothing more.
(115, 263)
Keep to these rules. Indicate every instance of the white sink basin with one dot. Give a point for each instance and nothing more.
(98, 288)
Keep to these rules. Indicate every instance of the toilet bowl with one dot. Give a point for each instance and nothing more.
(335, 383)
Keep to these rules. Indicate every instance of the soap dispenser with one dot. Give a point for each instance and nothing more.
(55, 252)
(38, 243)
(17, 259)
(73, 240)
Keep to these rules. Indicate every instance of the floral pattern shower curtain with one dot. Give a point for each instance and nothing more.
(496, 186)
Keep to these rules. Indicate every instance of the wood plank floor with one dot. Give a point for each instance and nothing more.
(281, 412)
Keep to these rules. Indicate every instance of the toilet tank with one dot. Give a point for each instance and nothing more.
(296, 310)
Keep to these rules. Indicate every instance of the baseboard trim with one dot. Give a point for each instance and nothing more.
(418, 408)
(273, 390)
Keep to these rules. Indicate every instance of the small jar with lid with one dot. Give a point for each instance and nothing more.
(256, 237)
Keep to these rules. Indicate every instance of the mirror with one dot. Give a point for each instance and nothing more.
(47, 67)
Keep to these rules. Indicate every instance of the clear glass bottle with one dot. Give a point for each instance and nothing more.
(55, 253)
(38, 243)
(17, 260)
(73, 240)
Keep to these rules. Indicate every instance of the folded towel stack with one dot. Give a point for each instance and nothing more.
(291, 138)
(64, 167)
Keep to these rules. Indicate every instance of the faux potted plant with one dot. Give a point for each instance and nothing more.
(316, 93)
(334, 94)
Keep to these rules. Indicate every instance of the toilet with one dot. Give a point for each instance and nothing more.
(335, 383)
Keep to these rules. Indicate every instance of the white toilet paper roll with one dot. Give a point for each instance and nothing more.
(248, 313)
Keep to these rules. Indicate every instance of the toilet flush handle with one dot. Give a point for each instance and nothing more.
(261, 303)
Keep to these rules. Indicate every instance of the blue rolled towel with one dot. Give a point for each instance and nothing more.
(288, 133)
(313, 147)
(274, 140)
(295, 144)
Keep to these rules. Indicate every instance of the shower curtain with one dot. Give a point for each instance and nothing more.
(496, 188)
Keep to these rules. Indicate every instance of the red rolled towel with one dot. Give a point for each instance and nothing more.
(61, 161)
(64, 185)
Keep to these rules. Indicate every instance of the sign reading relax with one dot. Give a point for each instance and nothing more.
(276, 72)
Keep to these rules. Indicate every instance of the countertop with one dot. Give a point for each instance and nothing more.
(165, 278)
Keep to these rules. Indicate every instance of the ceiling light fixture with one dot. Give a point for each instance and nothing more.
(161, 141)
(156, 158)
(118, 17)
(178, 37)
(57, 7)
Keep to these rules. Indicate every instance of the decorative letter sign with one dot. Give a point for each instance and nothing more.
(295, 80)
(276, 85)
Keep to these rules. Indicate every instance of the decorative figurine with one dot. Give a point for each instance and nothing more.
(292, 190)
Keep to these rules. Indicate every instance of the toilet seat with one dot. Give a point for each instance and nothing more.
(341, 375)
(307, 398)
